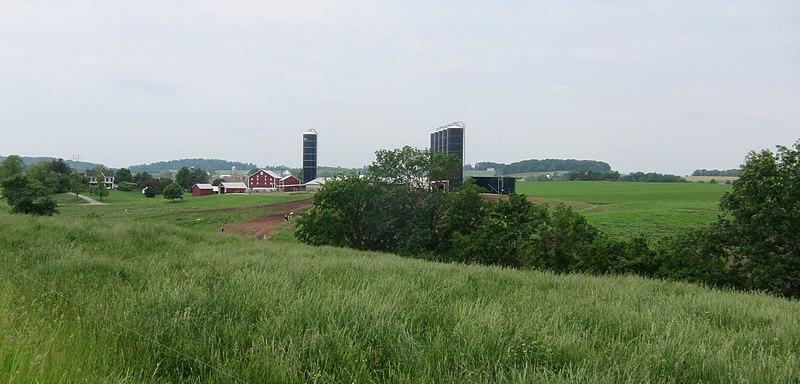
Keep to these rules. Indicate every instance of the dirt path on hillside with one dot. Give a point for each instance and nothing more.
(260, 226)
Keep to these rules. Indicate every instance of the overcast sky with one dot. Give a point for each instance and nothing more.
(664, 86)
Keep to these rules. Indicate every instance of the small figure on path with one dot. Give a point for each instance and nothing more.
(221, 229)
(286, 217)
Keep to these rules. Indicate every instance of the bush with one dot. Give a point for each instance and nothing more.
(125, 186)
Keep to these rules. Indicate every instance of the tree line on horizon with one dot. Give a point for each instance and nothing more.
(544, 165)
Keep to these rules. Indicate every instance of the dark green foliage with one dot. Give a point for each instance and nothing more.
(186, 177)
(342, 210)
(763, 226)
(359, 213)
(546, 165)
(77, 183)
(652, 177)
(125, 186)
(53, 174)
(414, 167)
(28, 196)
(173, 191)
(756, 246)
(592, 176)
(11, 166)
(716, 172)
(123, 175)
(147, 183)
(164, 182)
(191, 163)
(100, 190)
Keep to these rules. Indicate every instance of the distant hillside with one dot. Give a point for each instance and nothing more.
(205, 164)
(78, 165)
(546, 165)
(716, 172)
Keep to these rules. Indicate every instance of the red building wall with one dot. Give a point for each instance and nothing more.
(197, 191)
(290, 183)
(262, 179)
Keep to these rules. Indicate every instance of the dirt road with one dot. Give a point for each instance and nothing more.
(260, 226)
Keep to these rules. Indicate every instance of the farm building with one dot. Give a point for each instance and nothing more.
(203, 189)
(232, 187)
(107, 176)
(316, 184)
(498, 185)
(289, 183)
(264, 180)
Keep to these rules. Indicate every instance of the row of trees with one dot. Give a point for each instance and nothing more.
(753, 245)
(27, 190)
(210, 164)
(716, 172)
(545, 165)
(651, 177)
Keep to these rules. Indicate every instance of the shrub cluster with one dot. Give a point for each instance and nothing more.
(464, 227)
(755, 245)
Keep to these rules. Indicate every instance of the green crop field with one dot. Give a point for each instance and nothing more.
(204, 213)
(633, 208)
(98, 294)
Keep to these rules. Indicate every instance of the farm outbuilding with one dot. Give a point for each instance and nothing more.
(264, 180)
(202, 190)
(235, 187)
(497, 185)
(316, 184)
(289, 183)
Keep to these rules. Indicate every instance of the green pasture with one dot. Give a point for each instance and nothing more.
(205, 213)
(98, 299)
(624, 208)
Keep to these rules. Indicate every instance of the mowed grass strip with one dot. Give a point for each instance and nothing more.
(623, 208)
(219, 308)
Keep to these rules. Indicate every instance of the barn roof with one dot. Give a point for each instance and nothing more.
(203, 186)
(233, 185)
(273, 174)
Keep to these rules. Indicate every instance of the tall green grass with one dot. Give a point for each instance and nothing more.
(631, 208)
(88, 299)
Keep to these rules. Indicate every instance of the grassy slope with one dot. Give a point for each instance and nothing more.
(87, 298)
(625, 208)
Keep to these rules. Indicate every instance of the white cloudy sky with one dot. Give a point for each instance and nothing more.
(665, 86)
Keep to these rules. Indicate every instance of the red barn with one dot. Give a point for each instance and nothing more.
(226, 187)
(263, 180)
(290, 183)
(202, 189)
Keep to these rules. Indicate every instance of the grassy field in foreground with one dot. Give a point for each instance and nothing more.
(98, 299)
(629, 208)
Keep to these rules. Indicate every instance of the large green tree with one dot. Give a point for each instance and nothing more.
(77, 183)
(199, 176)
(173, 191)
(28, 196)
(414, 167)
(184, 178)
(11, 166)
(100, 190)
(763, 224)
(123, 175)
